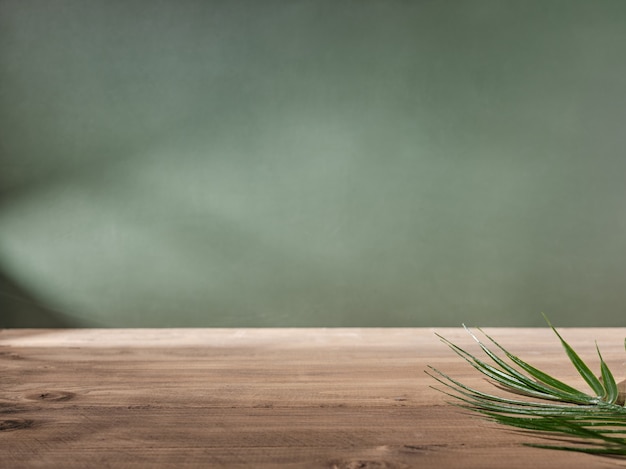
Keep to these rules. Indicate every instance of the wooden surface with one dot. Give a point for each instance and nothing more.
(328, 398)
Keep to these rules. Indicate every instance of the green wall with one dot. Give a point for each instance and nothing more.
(312, 163)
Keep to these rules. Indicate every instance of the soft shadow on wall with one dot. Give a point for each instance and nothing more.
(313, 163)
(20, 308)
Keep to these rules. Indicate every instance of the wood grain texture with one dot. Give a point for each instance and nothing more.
(296, 398)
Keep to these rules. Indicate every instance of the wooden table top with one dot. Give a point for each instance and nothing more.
(327, 398)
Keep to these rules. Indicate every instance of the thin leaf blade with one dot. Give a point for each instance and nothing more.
(582, 368)
(612, 392)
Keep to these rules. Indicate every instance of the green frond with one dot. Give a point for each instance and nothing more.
(546, 406)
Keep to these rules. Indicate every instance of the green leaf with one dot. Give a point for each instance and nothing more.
(547, 407)
(580, 365)
(612, 392)
(513, 382)
(566, 392)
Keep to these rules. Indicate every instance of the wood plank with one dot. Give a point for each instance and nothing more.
(327, 398)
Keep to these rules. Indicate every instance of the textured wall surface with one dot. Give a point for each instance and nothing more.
(312, 162)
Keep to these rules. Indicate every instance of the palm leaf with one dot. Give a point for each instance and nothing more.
(578, 421)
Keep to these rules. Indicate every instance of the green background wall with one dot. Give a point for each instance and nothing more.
(312, 163)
